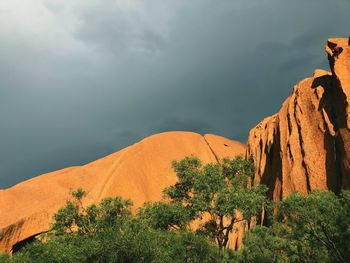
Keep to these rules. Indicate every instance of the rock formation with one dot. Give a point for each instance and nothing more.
(139, 172)
(306, 145)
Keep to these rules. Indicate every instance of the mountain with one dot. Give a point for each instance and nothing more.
(139, 172)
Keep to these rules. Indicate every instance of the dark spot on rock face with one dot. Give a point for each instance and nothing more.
(225, 145)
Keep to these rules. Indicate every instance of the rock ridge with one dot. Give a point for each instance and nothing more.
(139, 172)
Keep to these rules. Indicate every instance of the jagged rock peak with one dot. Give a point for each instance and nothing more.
(306, 145)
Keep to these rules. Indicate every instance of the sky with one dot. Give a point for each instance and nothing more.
(82, 79)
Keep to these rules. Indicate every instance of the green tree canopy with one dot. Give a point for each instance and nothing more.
(213, 192)
(107, 232)
(308, 228)
(74, 217)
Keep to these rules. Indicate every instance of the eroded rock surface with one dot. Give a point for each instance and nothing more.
(306, 145)
(139, 172)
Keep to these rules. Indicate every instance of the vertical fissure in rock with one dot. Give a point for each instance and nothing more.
(279, 168)
(339, 104)
(260, 156)
(289, 122)
(301, 142)
(331, 134)
(211, 150)
(338, 160)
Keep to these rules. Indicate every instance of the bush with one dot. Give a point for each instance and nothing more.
(134, 243)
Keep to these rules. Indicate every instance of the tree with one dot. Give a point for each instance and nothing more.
(74, 217)
(164, 216)
(212, 195)
(274, 244)
(308, 228)
(322, 219)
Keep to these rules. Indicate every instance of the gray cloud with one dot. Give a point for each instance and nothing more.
(81, 79)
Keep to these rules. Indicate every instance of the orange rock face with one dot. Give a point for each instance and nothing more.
(306, 145)
(139, 172)
(339, 57)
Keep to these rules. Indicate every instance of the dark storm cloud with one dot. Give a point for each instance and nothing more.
(81, 79)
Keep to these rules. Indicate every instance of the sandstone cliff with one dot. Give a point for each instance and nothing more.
(306, 145)
(139, 172)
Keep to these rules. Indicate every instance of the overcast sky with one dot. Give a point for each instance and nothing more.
(81, 79)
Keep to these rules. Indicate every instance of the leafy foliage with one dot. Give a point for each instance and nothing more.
(109, 233)
(163, 216)
(135, 243)
(74, 217)
(321, 219)
(313, 228)
(217, 192)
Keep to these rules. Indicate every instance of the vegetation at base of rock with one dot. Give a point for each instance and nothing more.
(109, 233)
(312, 228)
(75, 218)
(210, 195)
(307, 228)
(132, 242)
